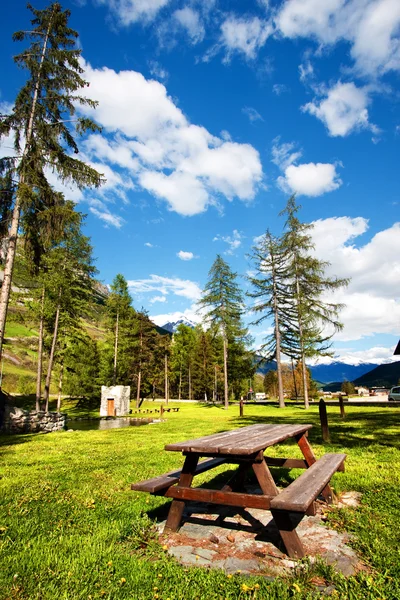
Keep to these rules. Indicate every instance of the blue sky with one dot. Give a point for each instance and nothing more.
(214, 113)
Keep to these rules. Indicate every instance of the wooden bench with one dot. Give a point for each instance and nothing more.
(159, 485)
(298, 496)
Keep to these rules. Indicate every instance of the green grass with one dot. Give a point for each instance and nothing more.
(70, 528)
(19, 330)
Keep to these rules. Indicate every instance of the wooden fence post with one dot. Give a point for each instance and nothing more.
(241, 407)
(341, 405)
(161, 411)
(324, 421)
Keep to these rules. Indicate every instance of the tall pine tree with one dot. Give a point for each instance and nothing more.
(42, 123)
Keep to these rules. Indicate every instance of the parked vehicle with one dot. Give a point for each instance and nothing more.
(394, 393)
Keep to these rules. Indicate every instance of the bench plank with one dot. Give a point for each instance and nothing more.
(163, 482)
(304, 490)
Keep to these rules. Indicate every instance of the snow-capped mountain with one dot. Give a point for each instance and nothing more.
(172, 327)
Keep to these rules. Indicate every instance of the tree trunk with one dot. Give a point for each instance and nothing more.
(215, 384)
(40, 356)
(301, 335)
(60, 387)
(226, 372)
(52, 352)
(139, 385)
(294, 381)
(190, 382)
(305, 382)
(166, 378)
(180, 383)
(116, 350)
(13, 232)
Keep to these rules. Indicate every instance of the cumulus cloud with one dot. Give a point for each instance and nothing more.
(149, 139)
(311, 179)
(308, 179)
(185, 255)
(149, 245)
(108, 217)
(371, 27)
(234, 241)
(279, 88)
(166, 285)
(371, 299)
(244, 35)
(343, 110)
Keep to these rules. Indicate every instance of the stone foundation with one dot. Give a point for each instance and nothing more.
(16, 420)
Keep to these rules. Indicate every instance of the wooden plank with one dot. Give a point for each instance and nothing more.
(220, 497)
(302, 491)
(161, 482)
(244, 441)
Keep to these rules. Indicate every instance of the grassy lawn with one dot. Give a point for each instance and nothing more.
(70, 527)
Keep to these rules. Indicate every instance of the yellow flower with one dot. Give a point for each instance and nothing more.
(165, 547)
(256, 587)
(297, 588)
(245, 588)
(109, 564)
(159, 575)
(122, 580)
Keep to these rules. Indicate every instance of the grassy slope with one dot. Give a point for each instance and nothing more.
(70, 527)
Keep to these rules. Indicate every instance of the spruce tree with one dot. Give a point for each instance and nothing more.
(43, 121)
(223, 301)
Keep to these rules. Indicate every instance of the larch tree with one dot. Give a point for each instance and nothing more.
(44, 124)
(223, 302)
(313, 320)
(270, 290)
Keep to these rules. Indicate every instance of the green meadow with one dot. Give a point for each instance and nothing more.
(71, 528)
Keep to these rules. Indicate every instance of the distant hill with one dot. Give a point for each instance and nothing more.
(382, 376)
(335, 373)
(340, 371)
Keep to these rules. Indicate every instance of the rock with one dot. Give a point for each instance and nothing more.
(205, 553)
(233, 565)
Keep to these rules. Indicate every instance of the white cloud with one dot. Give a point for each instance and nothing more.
(166, 285)
(244, 35)
(371, 299)
(234, 241)
(252, 114)
(149, 245)
(158, 71)
(308, 179)
(312, 179)
(148, 136)
(189, 20)
(279, 88)
(157, 299)
(107, 217)
(185, 255)
(343, 110)
(371, 27)
(133, 11)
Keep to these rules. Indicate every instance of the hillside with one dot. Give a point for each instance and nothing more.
(382, 376)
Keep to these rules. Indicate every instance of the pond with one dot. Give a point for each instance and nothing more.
(101, 424)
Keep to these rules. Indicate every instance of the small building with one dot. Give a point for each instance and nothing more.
(362, 391)
(115, 400)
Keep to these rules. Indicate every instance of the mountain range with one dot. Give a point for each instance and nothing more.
(173, 326)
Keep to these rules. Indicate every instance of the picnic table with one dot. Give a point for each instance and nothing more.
(245, 447)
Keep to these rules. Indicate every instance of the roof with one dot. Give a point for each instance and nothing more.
(397, 351)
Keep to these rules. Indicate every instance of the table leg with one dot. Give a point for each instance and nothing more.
(177, 506)
(287, 529)
(264, 477)
(309, 455)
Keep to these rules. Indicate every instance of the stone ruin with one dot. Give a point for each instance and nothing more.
(115, 400)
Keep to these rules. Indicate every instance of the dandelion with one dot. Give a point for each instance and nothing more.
(165, 547)
(122, 580)
(245, 588)
(159, 575)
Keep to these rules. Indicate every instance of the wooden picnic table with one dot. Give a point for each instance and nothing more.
(245, 447)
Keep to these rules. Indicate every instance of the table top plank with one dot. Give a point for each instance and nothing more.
(244, 441)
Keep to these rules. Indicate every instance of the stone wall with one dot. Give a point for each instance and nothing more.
(16, 420)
